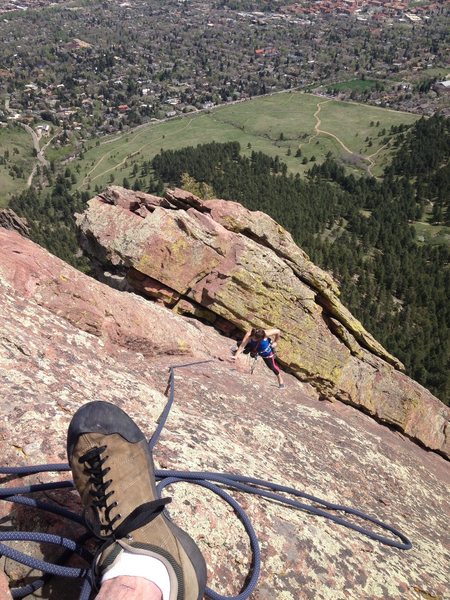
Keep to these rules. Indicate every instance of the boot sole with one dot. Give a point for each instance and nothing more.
(101, 417)
(194, 554)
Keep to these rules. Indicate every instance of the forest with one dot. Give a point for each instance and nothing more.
(358, 229)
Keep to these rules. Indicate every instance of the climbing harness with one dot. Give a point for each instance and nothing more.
(209, 480)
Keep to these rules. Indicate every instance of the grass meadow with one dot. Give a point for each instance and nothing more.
(426, 233)
(298, 127)
(17, 143)
(283, 124)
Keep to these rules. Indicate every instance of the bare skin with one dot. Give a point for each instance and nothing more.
(119, 588)
(5, 594)
(128, 588)
(272, 333)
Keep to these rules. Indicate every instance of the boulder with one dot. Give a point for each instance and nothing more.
(244, 268)
(119, 319)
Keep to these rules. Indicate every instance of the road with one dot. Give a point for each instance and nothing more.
(40, 157)
(39, 152)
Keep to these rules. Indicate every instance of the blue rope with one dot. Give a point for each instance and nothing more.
(207, 479)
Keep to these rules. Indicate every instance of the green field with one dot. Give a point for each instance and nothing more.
(432, 234)
(440, 73)
(16, 142)
(280, 124)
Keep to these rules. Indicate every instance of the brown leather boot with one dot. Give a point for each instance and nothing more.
(113, 472)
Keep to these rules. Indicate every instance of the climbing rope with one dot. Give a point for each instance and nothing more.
(209, 480)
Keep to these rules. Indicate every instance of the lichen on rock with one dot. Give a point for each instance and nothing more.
(66, 339)
(245, 269)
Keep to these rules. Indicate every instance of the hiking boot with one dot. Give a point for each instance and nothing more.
(113, 472)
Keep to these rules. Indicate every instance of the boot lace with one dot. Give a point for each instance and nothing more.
(94, 464)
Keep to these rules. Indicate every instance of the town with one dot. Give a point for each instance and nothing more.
(97, 68)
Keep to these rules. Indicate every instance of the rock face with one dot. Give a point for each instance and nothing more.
(66, 339)
(236, 269)
(9, 220)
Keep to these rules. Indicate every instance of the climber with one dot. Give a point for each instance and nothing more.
(257, 342)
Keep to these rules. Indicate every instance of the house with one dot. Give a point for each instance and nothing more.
(442, 86)
(413, 18)
(44, 129)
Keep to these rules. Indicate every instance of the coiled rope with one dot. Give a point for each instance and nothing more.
(209, 480)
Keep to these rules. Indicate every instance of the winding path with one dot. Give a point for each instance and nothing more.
(40, 157)
(127, 157)
(368, 159)
(318, 130)
(371, 157)
(39, 152)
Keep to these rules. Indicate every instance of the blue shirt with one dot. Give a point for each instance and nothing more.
(263, 347)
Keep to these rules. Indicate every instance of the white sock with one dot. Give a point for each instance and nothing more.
(140, 565)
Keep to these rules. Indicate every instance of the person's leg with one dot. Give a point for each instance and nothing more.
(112, 468)
(5, 594)
(129, 588)
(119, 588)
(272, 365)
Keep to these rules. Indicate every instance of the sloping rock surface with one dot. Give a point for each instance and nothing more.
(236, 269)
(66, 339)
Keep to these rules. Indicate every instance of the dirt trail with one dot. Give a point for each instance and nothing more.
(127, 157)
(371, 157)
(36, 138)
(39, 152)
(367, 159)
(318, 130)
